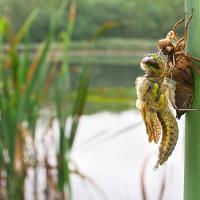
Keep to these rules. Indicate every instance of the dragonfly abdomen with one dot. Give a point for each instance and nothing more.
(169, 135)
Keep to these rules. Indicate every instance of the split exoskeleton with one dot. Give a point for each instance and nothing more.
(166, 81)
(179, 66)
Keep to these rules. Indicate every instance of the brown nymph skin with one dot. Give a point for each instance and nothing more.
(179, 67)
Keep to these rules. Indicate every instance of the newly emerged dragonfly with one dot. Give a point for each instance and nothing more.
(153, 103)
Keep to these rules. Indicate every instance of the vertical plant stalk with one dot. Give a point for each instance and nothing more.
(17, 101)
(19, 165)
(192, 129)
(63, 85)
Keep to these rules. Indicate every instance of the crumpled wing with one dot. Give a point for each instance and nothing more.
(152, 123)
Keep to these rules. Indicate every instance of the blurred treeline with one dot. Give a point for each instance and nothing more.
(117, 18)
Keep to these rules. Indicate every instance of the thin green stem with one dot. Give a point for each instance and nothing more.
(192, 135)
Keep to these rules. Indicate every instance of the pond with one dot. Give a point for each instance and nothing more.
(112, 80)
(108, 71)
(112, 151)
(114, 159)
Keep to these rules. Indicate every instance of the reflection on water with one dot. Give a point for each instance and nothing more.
(115, 162)
(111, 150)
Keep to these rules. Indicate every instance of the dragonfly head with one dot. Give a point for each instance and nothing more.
(152, 64)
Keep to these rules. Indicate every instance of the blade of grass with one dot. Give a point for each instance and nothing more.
(25, 63)
(32, 82)
(79, 103)
(26, 26)
(64, 79)
(3, 27)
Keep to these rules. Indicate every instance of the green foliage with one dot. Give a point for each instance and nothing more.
(24, 88)
(115, 18)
